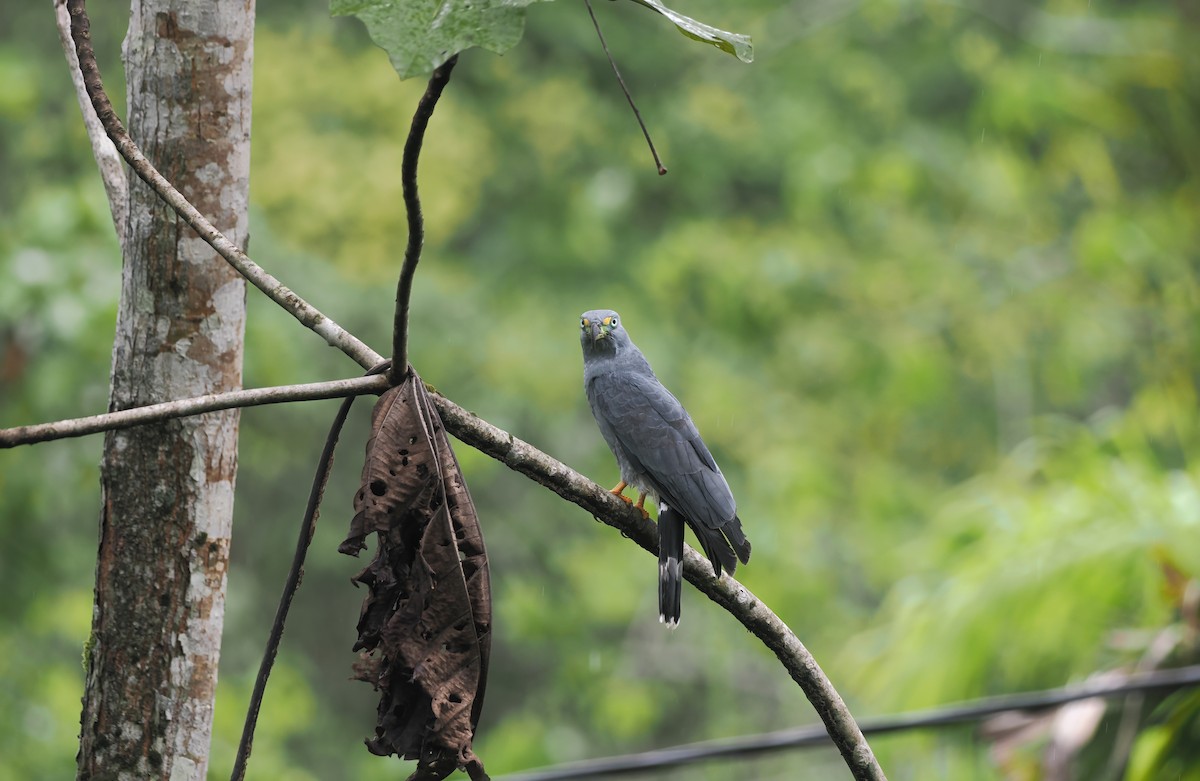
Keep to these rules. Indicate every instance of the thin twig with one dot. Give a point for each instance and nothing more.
(806, 737)
(112, 174)
(662, 169)
(138, 416)
(306, 313)
(308, 527)
(725, 591)
(416, 223)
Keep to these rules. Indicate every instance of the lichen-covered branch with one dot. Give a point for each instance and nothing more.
(139, 416)
(725, 591)
(296, 306)
(107, 159)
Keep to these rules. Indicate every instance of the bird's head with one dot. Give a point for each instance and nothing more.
(600, 332)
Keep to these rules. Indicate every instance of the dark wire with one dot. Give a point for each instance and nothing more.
(815, 735)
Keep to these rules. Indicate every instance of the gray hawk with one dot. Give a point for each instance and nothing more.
(660, 454)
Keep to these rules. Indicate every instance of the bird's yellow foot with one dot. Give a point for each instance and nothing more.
(619, 491)
(641, 501)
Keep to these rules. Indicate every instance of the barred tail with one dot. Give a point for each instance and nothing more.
(670, 565)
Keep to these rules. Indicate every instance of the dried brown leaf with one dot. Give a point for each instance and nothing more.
(425, 626)
(400, 464)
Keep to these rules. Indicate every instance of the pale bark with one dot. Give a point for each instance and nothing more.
(108, 160)
(182, 408)
(168, 488)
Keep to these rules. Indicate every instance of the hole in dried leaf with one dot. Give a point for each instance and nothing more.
(378, 487)
(454, 697)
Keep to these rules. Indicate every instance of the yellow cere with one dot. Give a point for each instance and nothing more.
(608, 321)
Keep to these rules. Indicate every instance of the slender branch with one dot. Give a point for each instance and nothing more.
(551, 473)
(805, 737)
(308, 527)
(416, 223)
(725, 591)
(303, 311)
(107, 158)
(128, 418)
(662, 169)
(558, 477)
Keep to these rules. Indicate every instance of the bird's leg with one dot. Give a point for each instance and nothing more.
(641, 501)
(619, 492)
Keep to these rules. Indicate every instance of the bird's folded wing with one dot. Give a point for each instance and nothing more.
(653, 426)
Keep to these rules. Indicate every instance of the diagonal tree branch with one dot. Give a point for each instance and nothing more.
(725, 591)
(107, 159)
(138, 416)
(416, 222)
(303, 311)
(547, 471)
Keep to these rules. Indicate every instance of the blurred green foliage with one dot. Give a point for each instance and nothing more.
(925, 275)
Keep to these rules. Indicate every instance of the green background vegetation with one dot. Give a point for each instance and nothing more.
(925, 274)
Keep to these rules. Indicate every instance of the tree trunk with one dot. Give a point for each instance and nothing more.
(168, 488)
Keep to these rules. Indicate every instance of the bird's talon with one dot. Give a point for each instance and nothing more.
(619, 491)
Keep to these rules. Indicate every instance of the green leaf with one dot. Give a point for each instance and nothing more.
(420, 35)
(738, 45)
(1148, 752)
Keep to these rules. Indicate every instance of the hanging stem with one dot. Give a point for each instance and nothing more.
(416, 223)
(662, 169)
(308, 527)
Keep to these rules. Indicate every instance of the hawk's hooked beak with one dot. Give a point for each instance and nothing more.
(598, 331)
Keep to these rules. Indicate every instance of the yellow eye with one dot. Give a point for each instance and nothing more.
(583, 323)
